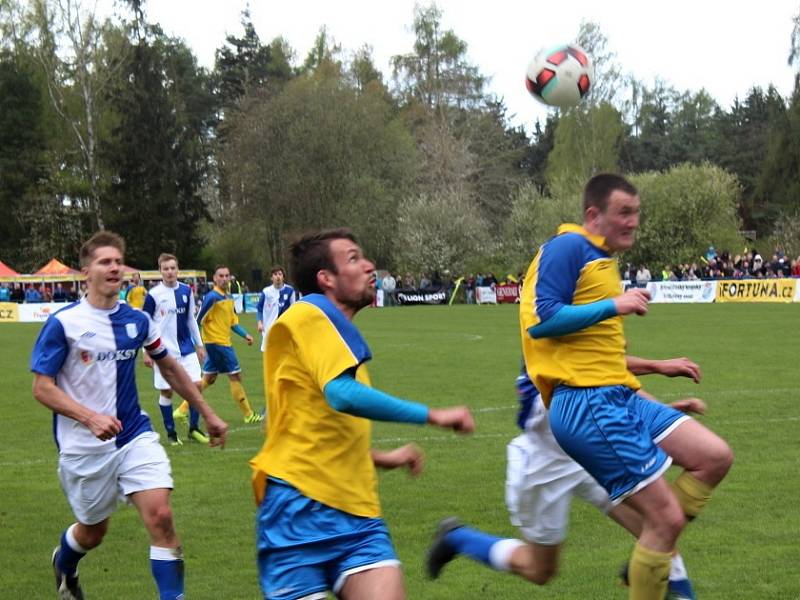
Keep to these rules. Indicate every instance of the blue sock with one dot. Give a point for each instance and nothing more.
(194, 419)
(473, 543)
(166, 414)
(682, 588)
(70, 553)
(166, 564)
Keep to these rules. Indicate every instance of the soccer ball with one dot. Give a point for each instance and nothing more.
(560, 76)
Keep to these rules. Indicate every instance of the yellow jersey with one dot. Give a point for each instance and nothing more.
(574, 267)
(135, 296)
(322, 452)
(216, 317)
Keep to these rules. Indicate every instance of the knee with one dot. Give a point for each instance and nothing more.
(718, 461)
(671, 523)
(160, 519)
(541, 575)
(90, 537)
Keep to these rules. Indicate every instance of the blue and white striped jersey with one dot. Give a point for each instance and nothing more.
(91, 354)
(172, 308)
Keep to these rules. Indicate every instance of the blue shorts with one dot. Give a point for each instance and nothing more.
(613, 433)
(221, 359)
(305, 547)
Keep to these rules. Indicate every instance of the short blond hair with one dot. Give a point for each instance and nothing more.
(164, 257)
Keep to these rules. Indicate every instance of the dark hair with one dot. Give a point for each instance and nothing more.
(101, 239)
(600, 187)
(218, 267)
(277, 268)
(310, 253)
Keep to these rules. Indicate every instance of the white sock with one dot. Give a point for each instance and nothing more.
(677, 570)
(500, 553)
(164, 401)
(73, 543)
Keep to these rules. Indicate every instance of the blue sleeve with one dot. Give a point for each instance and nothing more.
(260, 307)
(50, 350)
(149, 305)
(208, 302)
(347, 395)
(571, 318)
(557, 276)
(239, 330)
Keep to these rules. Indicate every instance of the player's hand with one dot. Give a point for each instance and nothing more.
(217, 430)
(148, 362)
(409, 456)
(633, 301)
(457, 418)
(690, 405)
(249, 339)
(104, 427)
(680, 367)
(260, 327)
(201, 353)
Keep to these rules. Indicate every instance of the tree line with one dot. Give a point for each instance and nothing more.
(111, 123)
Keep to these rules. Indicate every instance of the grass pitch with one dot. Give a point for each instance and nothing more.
(746, 545)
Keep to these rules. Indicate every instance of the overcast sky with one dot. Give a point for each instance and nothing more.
(722, 46)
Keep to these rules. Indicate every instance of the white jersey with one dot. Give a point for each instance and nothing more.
(172, 308)
(91, 354)
(272, 303)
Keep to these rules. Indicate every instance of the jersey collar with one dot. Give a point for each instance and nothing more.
(597, 240)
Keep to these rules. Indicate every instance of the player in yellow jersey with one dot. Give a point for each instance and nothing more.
(136, 292)
(574, 346)
(319, 525)
(217, 318)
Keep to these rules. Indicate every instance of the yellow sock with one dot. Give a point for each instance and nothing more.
(184, 407)
(240, 397)
(692, 493)
(648, 574)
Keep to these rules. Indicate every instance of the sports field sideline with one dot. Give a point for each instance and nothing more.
(746, 545)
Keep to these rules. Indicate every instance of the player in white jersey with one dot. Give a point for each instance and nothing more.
(273, 302)
(84, 371)
(541, 480)
(171, 305)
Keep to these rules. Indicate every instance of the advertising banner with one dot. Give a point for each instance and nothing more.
(9, 312)
(682, 291)
(485, 295)
(38, 313)
(507, 293)
(410, 296)
(756, 290)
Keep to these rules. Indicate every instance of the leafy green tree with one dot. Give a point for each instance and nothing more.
(318, 153)
(587, 142)
(683, 211)
(441, 233)
(158, 150)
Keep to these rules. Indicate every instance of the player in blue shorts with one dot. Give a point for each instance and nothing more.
(84, 371)
(541, 481)
(571, 312)
(319, 525)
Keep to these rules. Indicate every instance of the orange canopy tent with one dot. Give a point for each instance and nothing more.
(6, 271)
(56, 267)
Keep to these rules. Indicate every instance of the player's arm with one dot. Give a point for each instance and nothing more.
(673, 367)
(179, 380)
(560, 264)
(149, 307)
(409, 456)
(194, 329)
(347, 395)
(260, 312)
(687, 405)
(46, 391)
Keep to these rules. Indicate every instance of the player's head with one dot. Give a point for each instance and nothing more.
(136, 278)
(278, 276)
(331, 262)
(611, 210)
(168, 267)
(222, 276)
(101, 261)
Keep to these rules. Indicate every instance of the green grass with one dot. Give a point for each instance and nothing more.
(745, 546)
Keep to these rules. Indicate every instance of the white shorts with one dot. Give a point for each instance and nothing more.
(190, 364)
(541, 481)
(95, 483)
